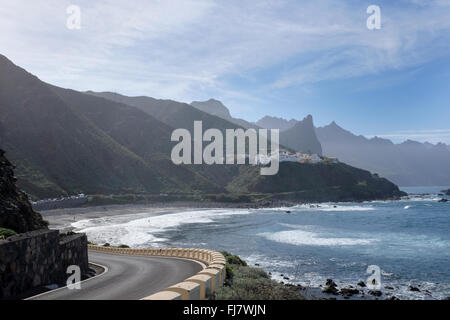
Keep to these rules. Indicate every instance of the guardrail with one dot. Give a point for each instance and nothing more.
(197, 287)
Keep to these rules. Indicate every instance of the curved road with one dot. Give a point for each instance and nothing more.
(127, 278)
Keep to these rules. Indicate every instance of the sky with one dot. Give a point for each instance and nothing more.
(285, 58)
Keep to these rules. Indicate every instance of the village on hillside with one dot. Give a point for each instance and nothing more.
(286, 156)
(300, 157)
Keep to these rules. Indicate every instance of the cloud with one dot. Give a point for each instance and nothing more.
(121, 44)
(408, 37)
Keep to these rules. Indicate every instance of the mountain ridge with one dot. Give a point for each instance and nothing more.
(69, 142)
(295, 135)
(217, 108)
(302, 137)
(399, 164)
(270, 122)
(59, 148)
(409, 163)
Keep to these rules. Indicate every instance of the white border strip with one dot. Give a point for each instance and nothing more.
(105, 270)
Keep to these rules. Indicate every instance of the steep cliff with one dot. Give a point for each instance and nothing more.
(302, 137)
(15, 209)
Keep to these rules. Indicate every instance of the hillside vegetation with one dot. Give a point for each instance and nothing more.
(248, 283)
(316, 182)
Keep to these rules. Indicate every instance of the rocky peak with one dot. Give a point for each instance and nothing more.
(269, 122)
(308, 120)
(214, 107)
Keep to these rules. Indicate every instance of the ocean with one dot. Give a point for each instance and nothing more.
(408, 239)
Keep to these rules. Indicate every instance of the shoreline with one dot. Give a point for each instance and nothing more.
(238, 200)
(63, 218)
(59, 218)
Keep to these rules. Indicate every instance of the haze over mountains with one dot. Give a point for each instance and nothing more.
(66, 142)
(63, 141)
(276, 123)
(302, 137)
(409, 163)
(296, 135)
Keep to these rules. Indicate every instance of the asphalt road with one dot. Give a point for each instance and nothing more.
(127, 278)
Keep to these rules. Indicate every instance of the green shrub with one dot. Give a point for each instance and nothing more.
(253, 273)
(255, 284)
(229, 276)
(247, 283)
(123, 246)
(107, 245)
(6, 233)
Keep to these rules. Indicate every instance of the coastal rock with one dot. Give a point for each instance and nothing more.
(415, 289)
(349, 291)
(331, 283)
(376, 293)
(330, 287)
(443, 200)
(362, 284)
(394, 298)
(331, 290)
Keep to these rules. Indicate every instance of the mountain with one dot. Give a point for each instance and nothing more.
(173, 113)
(15, 210)
(216, 108)
(182, 115)
(144, 136)
(408, 164)
(276, 123)
(66, 142)
(294, 134)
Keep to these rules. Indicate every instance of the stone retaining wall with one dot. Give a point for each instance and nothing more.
(38, 258)
(197, 287)
(59, 204)
(74, 251)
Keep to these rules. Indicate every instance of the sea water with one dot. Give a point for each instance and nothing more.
(408, 239)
